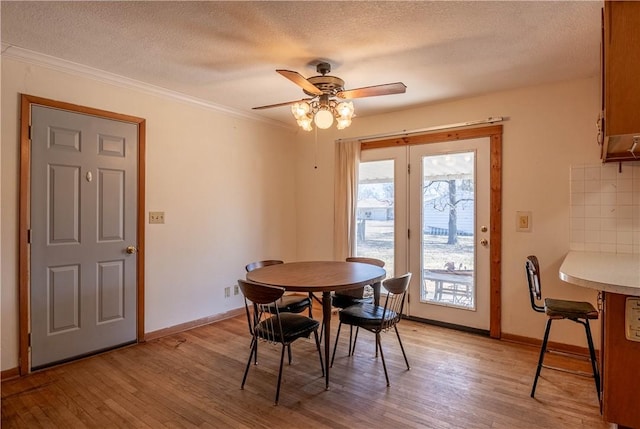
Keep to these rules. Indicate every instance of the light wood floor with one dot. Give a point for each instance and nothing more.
(192, 379)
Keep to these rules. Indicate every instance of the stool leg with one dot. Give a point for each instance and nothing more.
(592, 354)
(543, 350)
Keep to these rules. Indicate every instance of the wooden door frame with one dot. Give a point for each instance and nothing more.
(26, 102)
(494, 133)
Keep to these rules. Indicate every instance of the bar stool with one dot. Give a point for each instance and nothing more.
(558, 309)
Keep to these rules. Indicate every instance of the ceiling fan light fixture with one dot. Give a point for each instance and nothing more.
(343, 123)
(345, 109)
(305, 123)
(323, 118)
(300, 110)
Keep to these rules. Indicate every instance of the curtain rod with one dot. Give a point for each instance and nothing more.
(489, 120)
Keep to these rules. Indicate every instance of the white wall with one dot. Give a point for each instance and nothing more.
(549, 128)
(226, 184)
(235, 190)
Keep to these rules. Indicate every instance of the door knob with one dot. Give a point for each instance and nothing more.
(484, 242)
(131, 250)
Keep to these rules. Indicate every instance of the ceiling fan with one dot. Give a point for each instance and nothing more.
(326, 93)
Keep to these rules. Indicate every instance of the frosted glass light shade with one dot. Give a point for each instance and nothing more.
(323, 119)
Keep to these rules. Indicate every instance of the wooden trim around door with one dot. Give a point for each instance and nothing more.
(26, 101)
(494, 133)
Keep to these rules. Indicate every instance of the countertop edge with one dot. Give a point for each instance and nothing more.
(594, 270)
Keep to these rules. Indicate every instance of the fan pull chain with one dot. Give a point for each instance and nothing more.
(315, 150)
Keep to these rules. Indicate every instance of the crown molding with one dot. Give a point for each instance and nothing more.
(25, 55)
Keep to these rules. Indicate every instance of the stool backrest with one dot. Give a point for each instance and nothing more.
(532, 268)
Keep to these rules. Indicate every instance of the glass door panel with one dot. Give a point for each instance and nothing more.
(449, 220)
(381, 208)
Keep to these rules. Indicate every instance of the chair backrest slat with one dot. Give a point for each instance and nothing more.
(262, 313)
(394, 304)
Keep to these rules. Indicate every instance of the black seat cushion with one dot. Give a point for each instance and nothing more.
(344, 301)
(293, 326)
(560, 308)
(292, 304)
(368, 316)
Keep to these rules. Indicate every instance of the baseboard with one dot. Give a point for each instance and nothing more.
(560, 347)
(176, 329)
(8, 374)
(454, 326)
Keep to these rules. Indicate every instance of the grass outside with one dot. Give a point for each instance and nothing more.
(437, 254)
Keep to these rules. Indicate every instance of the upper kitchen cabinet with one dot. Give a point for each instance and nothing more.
(621, 81)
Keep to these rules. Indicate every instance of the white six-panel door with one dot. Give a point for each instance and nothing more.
(83, 219)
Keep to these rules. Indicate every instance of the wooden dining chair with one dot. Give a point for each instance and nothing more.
(559, 309)
(290, 302)
(377, 318)
(272, 326)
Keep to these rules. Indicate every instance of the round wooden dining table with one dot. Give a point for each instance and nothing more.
(325, 277)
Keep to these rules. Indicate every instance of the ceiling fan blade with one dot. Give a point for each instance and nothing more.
(288, 103)
(372, 91)
(301, 81)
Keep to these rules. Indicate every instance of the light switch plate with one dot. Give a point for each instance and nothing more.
(156, 217)
(523, 221)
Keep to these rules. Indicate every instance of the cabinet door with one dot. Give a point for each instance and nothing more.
(622, 62)
(621, 377)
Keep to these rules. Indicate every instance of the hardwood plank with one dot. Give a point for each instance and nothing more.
(192, 379)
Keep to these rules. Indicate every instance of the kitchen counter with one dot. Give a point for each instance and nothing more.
(608, 272)
(617, 276)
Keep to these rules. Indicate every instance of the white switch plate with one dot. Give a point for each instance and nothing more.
(523, 221)
(156, 217)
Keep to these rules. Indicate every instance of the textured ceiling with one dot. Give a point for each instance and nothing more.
(226, 52)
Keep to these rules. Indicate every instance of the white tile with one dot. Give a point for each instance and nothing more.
(577, 173)
(593, 224)
(592, 211)
(609, 171)
(592, 247)
(577, 223)
(608, 237)
(624, 225)
(609, 248)
(577, 246)
(608, 224)
(625, 198)
(578, 185)
(577, 236)
(593, 198)
(625, 212)
(592, 172)
(591, 236)
(607, 211)
(592, 186)
(624, 237)
(608, 198)
(608, 186)
(577, 212)
(625, 185)
(577, 198)
(624, 248)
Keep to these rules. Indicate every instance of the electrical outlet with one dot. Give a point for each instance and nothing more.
(227, 292)
(236, 290)
(156, 217)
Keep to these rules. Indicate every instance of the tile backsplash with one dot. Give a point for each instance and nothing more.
(605, 207)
